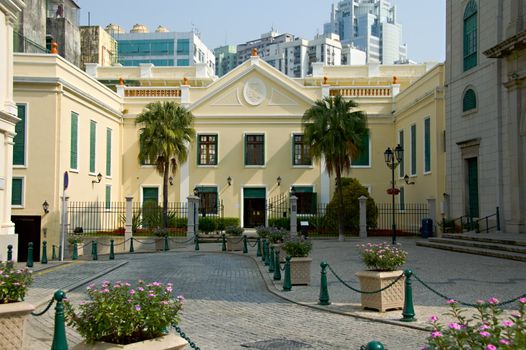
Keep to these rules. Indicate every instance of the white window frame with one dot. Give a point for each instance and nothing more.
(26, 138)
(23, 194)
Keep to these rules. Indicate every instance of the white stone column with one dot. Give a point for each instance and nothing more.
(193, 216)
(128, 226)
(363, 216)
(8, 227)
(432, 209)
(293, 215)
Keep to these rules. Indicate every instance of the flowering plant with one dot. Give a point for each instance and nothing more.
(297, 247)
(122, 314)
(277, 235)
(13, 282)
(488, 332)
(382, 256)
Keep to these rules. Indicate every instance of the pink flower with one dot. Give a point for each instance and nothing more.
(484, 327)
(433, 318)
(504, 341)
(451, 301)
(137, 307)
(485, 334)
(522, 300)
(132, 291)
(169, 289)
(493, 301)
(151, 295)
(491, 347)
(455, 325)
(105, 290)
(507, 323)
(141, 289)
(156, 284)
(180, 298)
(164, 302)
(436, 334)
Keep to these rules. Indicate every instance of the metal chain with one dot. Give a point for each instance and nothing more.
(252, 246)
(187, 338)
(142, 242)
(443, 296)
(45, 310)
(362, 291)
(235, 242)
(191, 239)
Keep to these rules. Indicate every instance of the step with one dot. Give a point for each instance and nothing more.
(495, 239)
(472, 250)
(480, 244)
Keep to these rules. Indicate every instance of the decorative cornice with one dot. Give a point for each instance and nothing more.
(506, 47)
(12, 8)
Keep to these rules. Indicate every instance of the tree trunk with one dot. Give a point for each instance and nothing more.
(165, 194)
(339, 188)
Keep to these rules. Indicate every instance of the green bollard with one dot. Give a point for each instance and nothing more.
(75, 254)
(373, 345)
(287, 283)
(271, 260)
(29, 262)
(166, 247)
(277, 267)
(196, 242)
(43, 260)
(94, 254)
(9, 252)
(324, 291)
(131, 246)
(60, 252)
(408, 313)
(59, 335)
(54, 253)
(245, 247)
(258, 249)
(263, 250)
(266, 254)
(112, 251)
(223, 243)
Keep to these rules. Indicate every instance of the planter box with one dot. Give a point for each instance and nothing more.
(12, 319)
(391, 298)
(159, 243)
(300, 271)
(167, 342)
(234, 243)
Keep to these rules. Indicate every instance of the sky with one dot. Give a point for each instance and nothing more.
(234, 22)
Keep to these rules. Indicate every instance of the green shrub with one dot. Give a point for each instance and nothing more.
(262, 231)
(14, 282)
(297, 247)
(177, 222)
(207, 224)
(279, 222)
(222, 223)
(234, 230)
(277, 235)
(152, 215)
(161, 232)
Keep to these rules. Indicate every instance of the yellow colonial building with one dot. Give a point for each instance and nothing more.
(249, 145)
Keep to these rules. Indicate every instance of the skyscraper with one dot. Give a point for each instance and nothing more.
(369, 25)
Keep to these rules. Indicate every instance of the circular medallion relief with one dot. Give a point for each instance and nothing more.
(254, 91)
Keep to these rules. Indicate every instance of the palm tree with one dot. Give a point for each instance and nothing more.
(335, 133)
(165, 135)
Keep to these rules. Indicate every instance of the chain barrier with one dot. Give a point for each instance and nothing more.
(252, 246)
(187, 338)
(173, 239)
(46, 309)
(362, 291)
(143, 242)
(443, 296)
(238, 241)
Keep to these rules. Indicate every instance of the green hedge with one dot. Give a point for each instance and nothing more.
(279, 222)
(222, 223)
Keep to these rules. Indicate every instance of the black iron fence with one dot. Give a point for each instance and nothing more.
(408, 216)
(278, 210)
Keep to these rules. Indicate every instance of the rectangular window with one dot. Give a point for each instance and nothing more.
(401, 170)
(413, 149)
(300, 151)
(307, 201)
(402, 198)
(108, 152)
(19, 148)
(74, 142)
(254, 149)
(208, 200)
(92, 145)
(183, 47)
(184, 62)
(207, 150)
(150, 194)
(107, 197)
(17, 194)
(427, 145)
(363, 158)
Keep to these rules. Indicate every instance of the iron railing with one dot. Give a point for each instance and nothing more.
(96, 217)
(278, 209)
(408, 216)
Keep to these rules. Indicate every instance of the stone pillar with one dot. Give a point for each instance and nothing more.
(193, 216)
(432, 209)
(64, 226)
(128, 226)
(293, 215)
(7, 226)
(363, 216)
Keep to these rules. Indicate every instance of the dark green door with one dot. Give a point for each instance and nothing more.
(253, 207)
(473, 188)
(150, 194)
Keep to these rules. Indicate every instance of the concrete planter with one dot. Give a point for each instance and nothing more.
(167, 342)
(300, 271)
(12, 319)
(159, 243)
(234, 243)
(277, 248)
(391, 298)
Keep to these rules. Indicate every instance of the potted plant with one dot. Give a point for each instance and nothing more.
(13, 310)
(161, 233)
(382, 261)
(149, 310)
(263, 232)
(76, 237)
(298, 248)
(234, 241)
(276, 236)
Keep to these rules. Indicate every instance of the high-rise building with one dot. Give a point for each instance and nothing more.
(225, 59)
(371, 26)
(161, 48)
(244, 51)
(97, 46)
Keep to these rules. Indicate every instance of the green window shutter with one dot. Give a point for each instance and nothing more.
(150, 194)
(73, 158)
(92, 145)
(108, 152)
(469, 101)
(427, 145)
(470, 35)
(413, 149)
(401, 170)
(19, 148)
(363, 157)
(402, 198)
(108, 197)
(17, 189)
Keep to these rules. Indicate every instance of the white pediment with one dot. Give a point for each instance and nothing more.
(229, 98)
(278, 98)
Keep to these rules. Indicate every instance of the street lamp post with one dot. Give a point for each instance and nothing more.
(392, 159)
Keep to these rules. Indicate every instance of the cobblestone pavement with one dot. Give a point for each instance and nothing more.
(228, 307)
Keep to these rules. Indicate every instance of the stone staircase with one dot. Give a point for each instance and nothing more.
(498, 246)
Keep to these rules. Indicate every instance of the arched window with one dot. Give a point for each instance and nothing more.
(470, 35)
(469, 101)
